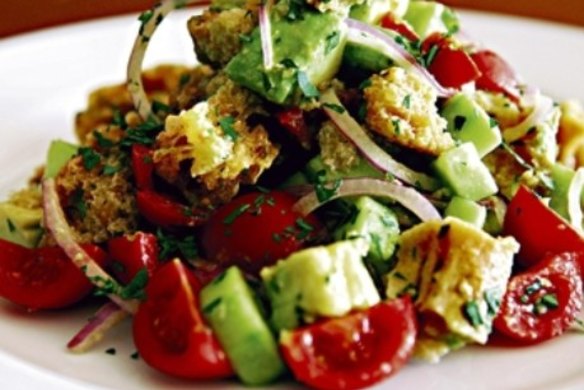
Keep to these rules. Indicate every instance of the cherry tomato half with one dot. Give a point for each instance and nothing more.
(43, 278)
(539, 230)
(542, 302)
(256, 229)
(131, 253)
(163, 211)
(391, 22)
(169, 332)
(451, 66)
(497, 74)
(355, 351)
(142, 166)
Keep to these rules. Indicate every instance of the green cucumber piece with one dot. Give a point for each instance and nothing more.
(468, 122)
(19, 225)
(462, 170)
(232, 310)
(375, 223)
(60, 152)
(467, 210)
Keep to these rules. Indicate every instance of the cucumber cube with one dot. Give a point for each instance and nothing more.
(468, 122)
(467, 210)
(232, 310)
(60, 152)
(463, 171)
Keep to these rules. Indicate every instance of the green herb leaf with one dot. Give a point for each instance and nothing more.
(236, 214)
(431, 55)
(77, 203)
(159, 107)
(307, 88)
(289, 63)
(102, 141)
(407, 102)
(331, 41)
(472, 313)
(207, 309)
(335, 107)
(226, 124)
(171, 245)
(90, 158)
(10, 224)
(459, 122)
(110, 170)
(135, 289)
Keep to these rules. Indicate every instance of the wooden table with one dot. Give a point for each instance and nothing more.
(18, 16)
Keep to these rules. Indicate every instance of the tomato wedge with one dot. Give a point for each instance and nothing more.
(169, 332)
(355, 351)
(131, 253)
(163, 211)
(256, 229)
(292, 119)
(539, 230)
(142, 167)
(497, 74)
(391, 22)
(43, 278)
(542, 302)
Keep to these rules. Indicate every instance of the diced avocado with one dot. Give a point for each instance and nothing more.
(232, 310)
(375, 223)
(20, 225)
(562, 177)
(467, 210)
(324, 281)
(360, 56)
(60, 152)
(463, 171)
(371, 11)
(427, 17)
(312, 46)
(468, 122)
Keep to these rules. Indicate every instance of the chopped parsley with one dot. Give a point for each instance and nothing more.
(144, 134)
(296, 9)
(431, 55)
(236, 214)
(226, 124)
(110, 170)
(144, 18)
(459, 121)
(159, 107)
(111, 351)
(472, 313)
(335, 107)
(493, 302)
(171, 245)
(331, 41)
(208, 308)
(365, 84)
(407, 102)
(102, 141)
(77, 203)
(10, 224)
(325, 191)
(304, 227)
(493, 122)
(119, 120)
(289, 63)
(135, 356)
(396, 126)
(90, 158)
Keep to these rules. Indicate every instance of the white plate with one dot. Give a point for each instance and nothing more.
(44, 80)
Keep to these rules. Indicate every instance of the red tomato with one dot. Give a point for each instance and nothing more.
(142, 167)
(292, 119)
(542, 302)
(390, 22)
(497, 74)
(131, 253)
(169, 332)
(539, 230)
(355, 351)
(256, 229)
(451, 66)
(163, 211)
(43, 278)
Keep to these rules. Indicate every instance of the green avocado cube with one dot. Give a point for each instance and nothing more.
(307, 52)
(462, 170)
(60, 152)
(233, 311)
(360, 56)
(468, 122)
(427, 17)
(377, 224)
(324, 281)
(371, 11)
(467, 210)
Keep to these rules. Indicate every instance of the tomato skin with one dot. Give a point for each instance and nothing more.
(390, 22)
(43, 278)
(558, 275)
(142, 167)
(292, 119)
(538, 229)
(169, 332)
(355, 351)
(133, 252)
(163, 211)
(266, 231)
(497, 74)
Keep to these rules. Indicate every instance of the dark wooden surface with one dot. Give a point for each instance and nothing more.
(17, 16)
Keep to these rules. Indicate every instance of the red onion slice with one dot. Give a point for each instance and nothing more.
(56, 223)
(406, 196)
(150, 21)
(104, 319)
(266, 35)
(370, 150)
(370, 36)
(542, 107)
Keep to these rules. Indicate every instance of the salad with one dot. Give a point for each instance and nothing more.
(340, 187)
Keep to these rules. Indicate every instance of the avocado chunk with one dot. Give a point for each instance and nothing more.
(60, 152)
(427, 17)
(306, 51)
(562, 177)
(232, 310)
(375, 223)
(463, 171)
(324, 281)
(20, 225)
(363, 57)
(467, 210)
(371, 11)
(222, 5)
(468, 122)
